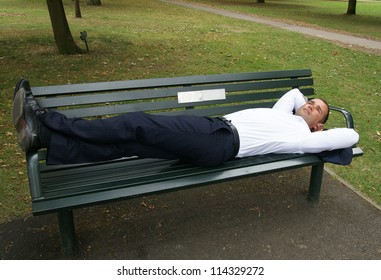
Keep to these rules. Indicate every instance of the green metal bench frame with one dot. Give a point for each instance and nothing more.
(62, 188)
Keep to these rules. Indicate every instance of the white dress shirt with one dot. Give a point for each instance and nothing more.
(277, 130)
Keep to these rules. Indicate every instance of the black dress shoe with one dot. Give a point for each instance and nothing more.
(22, 83)
(25, 121)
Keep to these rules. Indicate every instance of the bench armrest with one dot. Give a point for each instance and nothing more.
(350, 124)
(347, 115)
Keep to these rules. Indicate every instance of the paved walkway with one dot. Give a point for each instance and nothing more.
(264, 218)
(327, 35)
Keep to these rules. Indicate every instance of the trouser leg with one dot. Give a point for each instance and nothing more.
(201, 149)
(202, 141)
(115, 130)
(68, 150)
(127, 127)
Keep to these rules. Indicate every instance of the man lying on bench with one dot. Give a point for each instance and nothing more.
(293, 125)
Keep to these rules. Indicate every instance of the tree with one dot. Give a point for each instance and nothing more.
(77, 9)
(94, 2)
(61, 30)
(351, 7)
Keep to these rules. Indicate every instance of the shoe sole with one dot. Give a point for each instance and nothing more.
(24, 130)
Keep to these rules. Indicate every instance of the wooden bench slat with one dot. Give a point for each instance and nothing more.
(114, 96)
(148, 105)
(163, 82)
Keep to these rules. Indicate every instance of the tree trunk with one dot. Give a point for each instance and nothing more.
(351, 7)
(94, 2)
(77, 9)
(260, 1)
(62, 34)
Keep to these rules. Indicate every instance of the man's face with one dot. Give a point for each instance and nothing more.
(313, 112)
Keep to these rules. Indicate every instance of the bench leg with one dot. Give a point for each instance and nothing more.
(315, 182)
(67, 232)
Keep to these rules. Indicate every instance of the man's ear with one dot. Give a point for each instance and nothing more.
(317, 127)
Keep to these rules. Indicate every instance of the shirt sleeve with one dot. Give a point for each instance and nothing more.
(328, 140)
(290, 101)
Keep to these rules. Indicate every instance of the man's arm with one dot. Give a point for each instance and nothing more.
(290, 101)
(328, 140)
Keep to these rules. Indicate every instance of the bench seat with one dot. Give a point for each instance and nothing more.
(78, 186)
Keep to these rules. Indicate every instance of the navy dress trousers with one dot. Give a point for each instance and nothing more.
(203, 141)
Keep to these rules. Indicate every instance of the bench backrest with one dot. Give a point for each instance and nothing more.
(208, 95)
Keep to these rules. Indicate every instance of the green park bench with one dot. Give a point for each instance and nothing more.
(62, 188)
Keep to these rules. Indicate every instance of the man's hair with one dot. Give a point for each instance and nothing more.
(325, 119)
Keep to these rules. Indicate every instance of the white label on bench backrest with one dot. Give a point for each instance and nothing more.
(201, 95)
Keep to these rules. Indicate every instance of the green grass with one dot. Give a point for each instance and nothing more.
(143, 39)
(327, 14)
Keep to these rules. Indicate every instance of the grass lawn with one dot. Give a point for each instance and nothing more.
(148, 38)
(327, 14)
